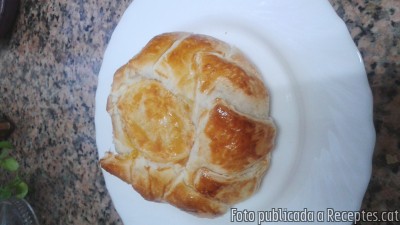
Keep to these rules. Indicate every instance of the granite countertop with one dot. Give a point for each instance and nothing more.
(48, 77)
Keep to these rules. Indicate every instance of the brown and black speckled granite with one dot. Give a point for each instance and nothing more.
(48, 72)
(48, 80)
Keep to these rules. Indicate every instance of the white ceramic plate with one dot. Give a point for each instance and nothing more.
(320, 99)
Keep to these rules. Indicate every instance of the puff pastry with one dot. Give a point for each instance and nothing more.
(191, 124)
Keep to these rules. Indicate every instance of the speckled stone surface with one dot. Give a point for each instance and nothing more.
(48, 78)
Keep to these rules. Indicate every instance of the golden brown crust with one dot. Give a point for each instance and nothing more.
(225, 190)
(213, 67)
(152, 52)
(236, 141)
(117, 165)
(156, 121)
(190, 123)
(184, 197)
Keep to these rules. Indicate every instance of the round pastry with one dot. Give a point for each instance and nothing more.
(191, 124)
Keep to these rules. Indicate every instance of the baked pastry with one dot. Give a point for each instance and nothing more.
(191, 124)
